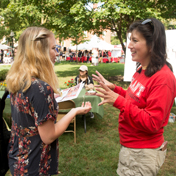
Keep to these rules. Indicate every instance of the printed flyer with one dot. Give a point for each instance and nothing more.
(70, 93)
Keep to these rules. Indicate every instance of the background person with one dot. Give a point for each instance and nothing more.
(8, 53)
(15, 51)
(5, 53)
(2, 55)
(88, 56)
(32, 83)
(80, 53)
(71, 55)
(95, 56)
(109, 56)
(145, 106)
(60, 55)
(85, 78)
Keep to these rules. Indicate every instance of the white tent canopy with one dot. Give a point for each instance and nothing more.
(95, 42)
(117, 47)
(4, 46)
(116, 50)
(116, 53)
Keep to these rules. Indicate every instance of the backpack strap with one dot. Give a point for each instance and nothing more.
(4, 138)
(5, 95)
(2, 106)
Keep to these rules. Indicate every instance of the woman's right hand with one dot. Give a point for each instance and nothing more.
(99, 78)
(84, 109)
(49, 130)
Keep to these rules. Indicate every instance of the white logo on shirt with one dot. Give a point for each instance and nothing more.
(136, 87)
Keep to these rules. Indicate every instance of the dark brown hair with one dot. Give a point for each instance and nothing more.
(154, 33)
(86, 78)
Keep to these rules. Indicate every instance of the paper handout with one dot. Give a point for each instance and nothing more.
(70, 93)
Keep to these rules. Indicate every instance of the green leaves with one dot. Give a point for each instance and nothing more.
(69, 19)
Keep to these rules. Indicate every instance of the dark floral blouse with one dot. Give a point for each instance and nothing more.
(28, 155)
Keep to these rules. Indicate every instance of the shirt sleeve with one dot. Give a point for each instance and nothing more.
(151, 118)
(120, 91)
(44, 104)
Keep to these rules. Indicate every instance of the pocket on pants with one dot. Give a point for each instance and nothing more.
(161, 155)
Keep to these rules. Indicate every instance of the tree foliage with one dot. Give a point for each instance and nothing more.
(117, 15)
(114, 40)
(65, 18)
(4, 3)
(69, 19)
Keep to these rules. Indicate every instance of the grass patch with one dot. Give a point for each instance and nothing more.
(96, 151)
(3, 67)
(111, 71)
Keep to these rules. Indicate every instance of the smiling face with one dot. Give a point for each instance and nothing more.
(140, 52)
(52, 49)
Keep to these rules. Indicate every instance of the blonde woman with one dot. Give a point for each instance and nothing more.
(32, 83)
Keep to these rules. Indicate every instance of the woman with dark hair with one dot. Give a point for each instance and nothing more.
(145, 106)
(84, 77)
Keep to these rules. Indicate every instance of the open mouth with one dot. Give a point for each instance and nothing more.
(133, 53)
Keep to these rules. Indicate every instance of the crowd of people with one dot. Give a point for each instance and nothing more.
(6, 55)
(89, 54)
(144, 107)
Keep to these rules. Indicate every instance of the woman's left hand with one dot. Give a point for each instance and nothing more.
(84, 109)
(107, 94)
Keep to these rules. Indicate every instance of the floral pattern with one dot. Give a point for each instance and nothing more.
(28, 155)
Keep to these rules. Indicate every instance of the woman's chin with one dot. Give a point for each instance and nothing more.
(134, 59)
(53, 63)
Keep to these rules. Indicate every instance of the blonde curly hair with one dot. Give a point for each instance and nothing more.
(32, 60)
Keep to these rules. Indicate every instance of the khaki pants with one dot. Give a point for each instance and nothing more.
(140, 162)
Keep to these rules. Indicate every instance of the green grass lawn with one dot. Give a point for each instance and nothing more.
(96, 151)
(111, 71)
(2, 67)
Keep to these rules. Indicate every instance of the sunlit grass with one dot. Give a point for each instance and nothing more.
(2, 67)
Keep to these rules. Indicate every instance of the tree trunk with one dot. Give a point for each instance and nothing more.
(121, 40)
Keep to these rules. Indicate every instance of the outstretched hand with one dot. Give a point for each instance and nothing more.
(100, 79)
(107, 94)
(84, 109)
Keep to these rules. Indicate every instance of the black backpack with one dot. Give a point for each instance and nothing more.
(4, 138)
